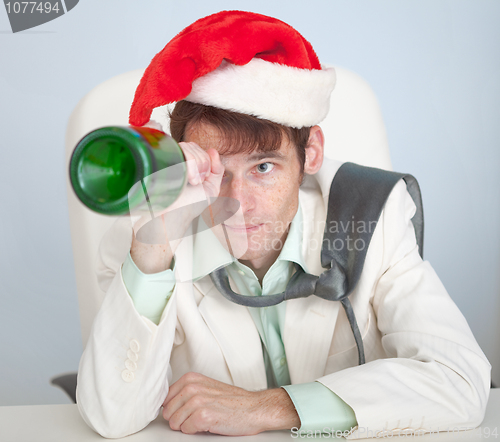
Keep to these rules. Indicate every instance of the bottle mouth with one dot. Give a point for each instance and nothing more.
(105, 165)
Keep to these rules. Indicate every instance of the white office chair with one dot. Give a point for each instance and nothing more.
(354, 131)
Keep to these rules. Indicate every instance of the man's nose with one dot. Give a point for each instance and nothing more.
(242, 191)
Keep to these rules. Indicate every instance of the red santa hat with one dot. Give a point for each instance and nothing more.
(242, 62)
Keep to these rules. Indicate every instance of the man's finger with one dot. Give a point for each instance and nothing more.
(174, 404)
(185, 409)
(173, 390)
(216, 165)
(178, 418)
(189, 379)
(197, 422)
(201, 164)
(213, 180)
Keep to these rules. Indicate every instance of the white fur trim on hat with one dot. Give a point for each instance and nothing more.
(283, 94)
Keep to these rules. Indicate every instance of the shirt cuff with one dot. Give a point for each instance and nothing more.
(149, 292)
(320, 409)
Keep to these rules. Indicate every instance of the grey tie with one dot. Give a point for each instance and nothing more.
(357, 194)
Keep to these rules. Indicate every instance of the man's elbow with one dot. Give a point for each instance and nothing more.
(476, 394)
(107, 421)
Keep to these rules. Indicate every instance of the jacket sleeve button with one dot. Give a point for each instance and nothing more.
(134, 346)
(127, 376)
(132, 355)
(130, 365)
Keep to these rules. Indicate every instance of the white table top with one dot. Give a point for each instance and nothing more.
(62, 423)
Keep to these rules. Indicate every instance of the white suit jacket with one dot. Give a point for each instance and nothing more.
(424, 369)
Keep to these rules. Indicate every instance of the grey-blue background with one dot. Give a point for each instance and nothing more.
(434, 65)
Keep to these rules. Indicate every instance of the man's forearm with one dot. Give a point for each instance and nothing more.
(151, 258)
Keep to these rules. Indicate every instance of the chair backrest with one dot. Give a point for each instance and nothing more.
(354, 131)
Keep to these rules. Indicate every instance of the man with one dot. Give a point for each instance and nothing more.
(250, 92)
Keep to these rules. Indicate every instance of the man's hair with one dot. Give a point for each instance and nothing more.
(241, 133)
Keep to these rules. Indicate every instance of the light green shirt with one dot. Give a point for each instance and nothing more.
(318, 407)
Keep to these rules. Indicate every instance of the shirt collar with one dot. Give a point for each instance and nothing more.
(292, 249)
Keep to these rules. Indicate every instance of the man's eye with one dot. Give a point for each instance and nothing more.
(265, 167)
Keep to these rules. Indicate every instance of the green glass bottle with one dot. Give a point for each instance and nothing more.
(116, 170)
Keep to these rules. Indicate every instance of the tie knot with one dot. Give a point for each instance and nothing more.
(332, 283)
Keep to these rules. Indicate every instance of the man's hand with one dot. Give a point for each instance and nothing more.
(204, 176)
(196, 403)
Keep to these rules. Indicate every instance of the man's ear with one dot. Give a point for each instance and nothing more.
(314, 150)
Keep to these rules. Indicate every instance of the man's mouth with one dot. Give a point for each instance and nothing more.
(243, 228)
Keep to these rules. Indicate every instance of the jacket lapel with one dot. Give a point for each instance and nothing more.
(239, 340)
(310, 322)
(309, 326)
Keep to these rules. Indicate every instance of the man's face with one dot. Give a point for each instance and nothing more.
(267, 186)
